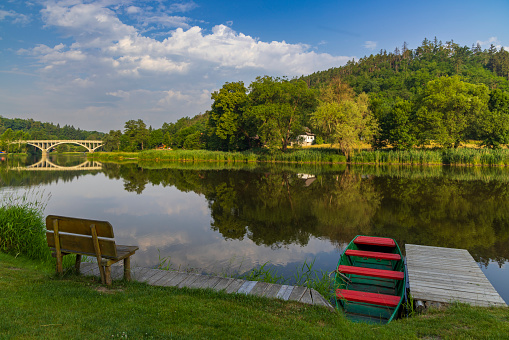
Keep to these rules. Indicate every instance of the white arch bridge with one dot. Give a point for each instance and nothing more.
(47, 145)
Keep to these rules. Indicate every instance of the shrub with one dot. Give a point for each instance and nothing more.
(22, 228)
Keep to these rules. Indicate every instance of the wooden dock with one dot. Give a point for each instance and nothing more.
(444, 275)
(166, 278)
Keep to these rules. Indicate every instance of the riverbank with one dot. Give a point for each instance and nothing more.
(458, 157)
(38, 305)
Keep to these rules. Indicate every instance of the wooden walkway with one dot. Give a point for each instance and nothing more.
(166, 278)
(445, 275)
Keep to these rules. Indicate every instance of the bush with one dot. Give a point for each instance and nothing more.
(22, 227)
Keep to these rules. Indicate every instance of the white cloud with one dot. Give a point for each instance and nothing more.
(493, 40)
(16, 18)
(370, 44)
(112, 69)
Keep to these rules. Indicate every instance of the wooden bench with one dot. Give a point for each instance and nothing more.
(373, 255)
(68, 235)
(381, 273)
(365, 297)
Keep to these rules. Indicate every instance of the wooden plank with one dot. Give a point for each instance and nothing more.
(137, 272)
(272, 291)
(438, 274)
(450, 289)
(455, 265)
(306, 297)
(189, 280)
(234, 286)
(169, 275)
(319, 300)
(381, 273)
(260, 288)
(223, 284)
(297, 293)
(81, 244)
(285, 292)
(246, 287)
(460, 286)
(430, 279)
(433, 296)
(373, 254)
(199, 281)
(146, 275)
(159, 273)
(211, 282)
(375, 241)
(174, 281)
(79, 226)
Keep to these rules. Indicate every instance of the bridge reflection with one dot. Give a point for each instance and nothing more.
(46, 165)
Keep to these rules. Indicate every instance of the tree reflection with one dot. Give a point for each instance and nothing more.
(278, 207)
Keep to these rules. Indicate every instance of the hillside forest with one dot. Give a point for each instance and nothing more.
(439, 94)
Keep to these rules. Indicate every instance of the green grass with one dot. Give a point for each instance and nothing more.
(298, 156)
(461, 156)
(22, 230)
(37, 305)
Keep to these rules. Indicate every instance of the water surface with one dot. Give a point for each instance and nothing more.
(220, 218)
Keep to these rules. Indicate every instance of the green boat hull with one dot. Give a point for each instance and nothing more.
(366, 312)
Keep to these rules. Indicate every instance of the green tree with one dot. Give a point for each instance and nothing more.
(112, 140)
(137, 134)
(449, 109)
(494, 124)
(227, 122)
(280, 107)
(193, 141)
(399, 125)
(7, 138)
(342, 119)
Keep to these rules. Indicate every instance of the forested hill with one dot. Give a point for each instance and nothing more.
(32, 129)
(405, 72)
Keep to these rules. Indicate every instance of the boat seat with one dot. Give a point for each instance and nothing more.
(373, 255)
(381, 273)
(365, 297)
(375, 241)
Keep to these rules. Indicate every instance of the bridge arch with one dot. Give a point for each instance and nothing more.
(46, 145)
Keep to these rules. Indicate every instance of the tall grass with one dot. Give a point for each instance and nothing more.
(22, 228)
(299, 156)
(460, 156)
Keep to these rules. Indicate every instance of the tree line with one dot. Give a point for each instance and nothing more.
(441, 94)
(18, 129)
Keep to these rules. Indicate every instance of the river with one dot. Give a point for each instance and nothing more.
(226, 219)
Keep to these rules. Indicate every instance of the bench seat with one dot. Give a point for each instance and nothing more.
(381, 273)
(365, 297)
(375, 241)
(373, 254)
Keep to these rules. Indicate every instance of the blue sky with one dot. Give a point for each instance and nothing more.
(96, 64)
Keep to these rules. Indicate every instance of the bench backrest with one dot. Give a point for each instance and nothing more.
(76, 235)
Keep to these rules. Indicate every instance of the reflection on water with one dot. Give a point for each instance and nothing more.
(219, 217)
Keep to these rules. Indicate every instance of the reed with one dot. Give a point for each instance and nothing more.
(460, 156)
(22, 228)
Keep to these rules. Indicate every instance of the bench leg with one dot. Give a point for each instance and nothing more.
(78, 263)
(127, 268)
(60, 268)
(107, 274)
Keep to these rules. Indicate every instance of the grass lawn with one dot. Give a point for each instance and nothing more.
(35, 304)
